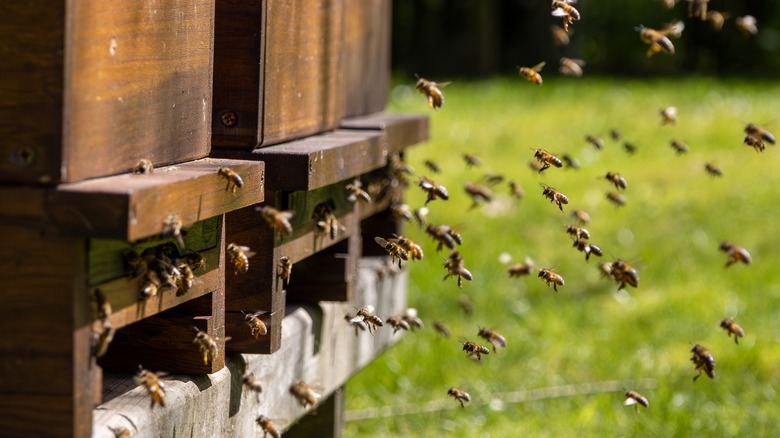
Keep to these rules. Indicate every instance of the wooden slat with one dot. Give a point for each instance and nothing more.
(400, 130)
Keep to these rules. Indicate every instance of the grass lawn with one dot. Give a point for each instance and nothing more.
(571, 354)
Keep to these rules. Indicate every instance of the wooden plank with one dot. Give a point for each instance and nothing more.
(400, 130)
(137, 85)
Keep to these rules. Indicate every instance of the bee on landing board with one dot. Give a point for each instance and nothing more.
(143, 167)
(554, 196)
(459, 395)
(492, 336)
(432, 91)
(636, 399)
(531, 74)
(151, 382)
(732, 328)
(546, 159)
(284, 269)
(238, 257)
(703, 361)
(269, 428)
(304, 393)
(551, 278)
(255, 323)
(233, 179)
(278, 220)
(735, 253)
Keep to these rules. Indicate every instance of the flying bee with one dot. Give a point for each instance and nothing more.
(564, 9)
(466, 305)
(703, 361)
(432, 166)
(102, 339)
(735, 253)
(432, 91)
(546, 159)
(284, 269)
(474, 350)
(746, 26)
(570, 161)
(535, 166)
(366, 314)
(757, 144)
(492, 179)
(401, 211)
(578, 232)
(492, 336)
(595, 140)
(268, 427)
(459, 395)
(668, 115)
(520, 269)
(674, 29)
(559, 36)
(624, 274)
(587, 248)
(120, 432)
(615, 134)
(531, 74)
(616, 198)
(515, 190)
(581, 216)
(172, 228)
(758, 133)
(420, 216)
(325, 220)
(304, 393)
(441, 329)
(356, 322)
(605, 269)
(143, 167)
(207, 344)
(397, 323)
(698, 9)
(433, 190)
(616, 179)
(471, 160)
(478, 193)
(232, 177)
(253, 384)
(238, 258)
(656, 39)
(732, 328)
(551, 278)
(636, 399)
(571, 67)
(679, 147)
(395, 250)
(716, 19)
(355, 192)
(713, 169)
(413, 250)
(456, 268)
(410, 316)
(630, 148)
(278, 220)
(255, 323)
(152, 384)
(554, 196)
(445, 235)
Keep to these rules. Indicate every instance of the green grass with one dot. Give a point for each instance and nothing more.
(675, 217)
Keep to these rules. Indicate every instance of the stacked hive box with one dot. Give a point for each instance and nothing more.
(90, 89)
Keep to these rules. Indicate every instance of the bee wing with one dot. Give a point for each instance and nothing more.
(411, 312)
(559, 12)
(287, 215)
(380, 241)
(442, 84)
(579, 62)
(629, 401)
(538, 67)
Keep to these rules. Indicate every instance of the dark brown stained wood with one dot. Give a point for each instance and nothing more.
(31, 82)
(367, 55)
(328, 275)
(400, 130)
(137, 85)
(382, 224)
(131, 207)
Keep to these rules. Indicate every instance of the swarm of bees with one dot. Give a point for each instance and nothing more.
(163, 267)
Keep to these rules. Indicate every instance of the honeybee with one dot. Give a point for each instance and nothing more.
(433, 190)
(255, 323)
(515, 190)
(432, 166)
(546, 159)
(474, 350)
(238, 258)
(478, 193)
(442, 329)
(624, 274)
(252, 383)
(698, 9)
(735, 253)
(135, 265)
(746, 26)
(459, 395)
(397, 323)
(554, 196)
(535, 166)
(657, 40)
(208, 346)
(432, 91)
(456, 268)
(713, 169)
(630, 148)
(531, 74)
(588, 248)
(551, 278)
(268, 427)
(413, 250)
(172, 228)
(278, 220)
(703, 361)
(616, 198)
(668, 4)
(102, 304)
(285, 269)
(410, 316)
(492, 336)
(102, 339)
(366, 314)
(716, 19)
(445, 235)
(578, 232)
(679, 147)
(401, 211)
(143, 167)
(420, 216)
(668, 115)
(152, 384)
(520, 269)
(492, 179)
(233, 179)
(759, 135)
(581, 216)
(150, 286)
(636, 399)
(757, 144)
(195, 261)
(466, 305)
(356, 322)
(559, 36)
(120, 432)
(304, 393)
(564, 9)
(186, 279)
(355, 192)
(616, 179)
(605, 269)
(571, 67)
(325, 220)
(595, 140)
(615, 134)
(732, 328)
(395, 250)
(570, 161)
(471, 160)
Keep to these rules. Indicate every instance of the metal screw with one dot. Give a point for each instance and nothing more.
(23, 156)
(228, 119)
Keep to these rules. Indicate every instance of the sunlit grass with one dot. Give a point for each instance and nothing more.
(675, 217)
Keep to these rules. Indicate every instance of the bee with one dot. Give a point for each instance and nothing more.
(535, 166)
(325, 220)
(366, 314)
(478, 193)
(713, 169)
(395, 250)
(401, 211)
(304, 394)
(492, 179)
(474, 350)
(636, 399)
(238, 258)
(630, 148)
(233, 179)
(595, 140)
(605, 269)
(355, 192)
(616, 179)
(356, 322)
(581, 216)
(520, 269)
(668, 4)
(564, 9)
(456, 268)
(432, 91)
(703, 361)
(554, 196)
(255, 323)
(445, 235)
(624, 274)
(102, 338)
(571, 67)
(559, 35)
(668, 115)
(150, 286)
(195, 261)
(208, 346)
(433, 190)
(516, 190)
(441, 329)
(420, 216)
(673, 30)
(466, 305)
(616, 198)
(120, 432)
(716, 19)
(570, 161)
(546, 159)
(679, 147)
(278, 220)
(657, 40)
(698, 9)
(143, 167)
(397, 165)
(732, 328)
(186, 279)
(459, 395)
(551, 278)
(615, 134)
(746, 26)
(152, 384)
(172, 227)
(588, 248)
(492, 336)
(285, 269)
(471, 160)
(268, 427)
(432, 166)
(759, 134)
(531, 74)
(252, 383)
(102, 304)
(413, 250)
(410, 316)
(735, 253)
(135, 265)
(578, 232)
(398, 323)
(757, 144)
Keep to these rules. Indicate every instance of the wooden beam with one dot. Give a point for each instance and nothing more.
(399, 130)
